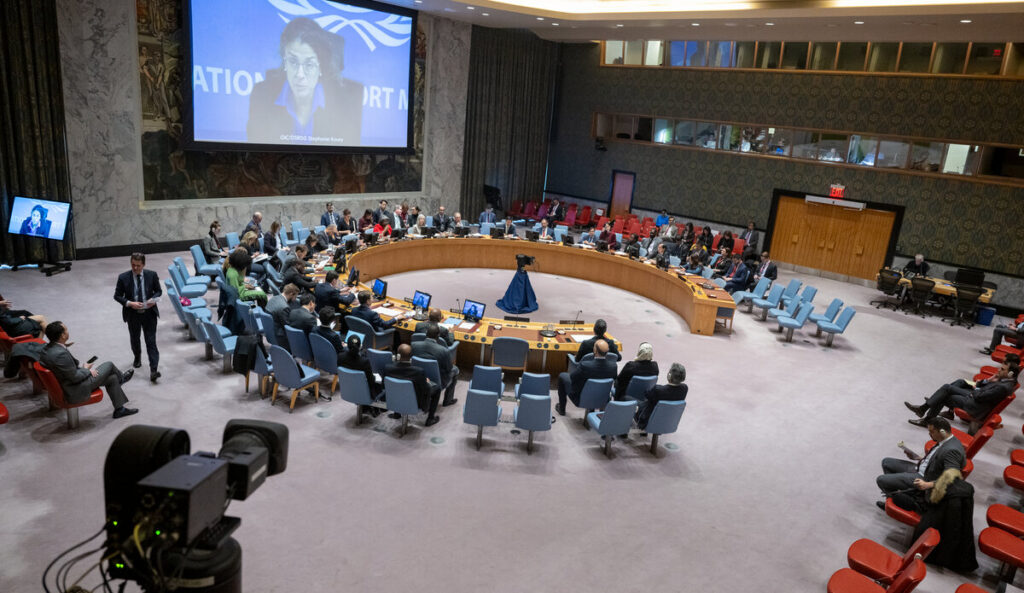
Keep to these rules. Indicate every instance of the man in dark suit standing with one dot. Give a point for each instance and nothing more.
(138, 291)
(598, 367)
(674, 391)
(921, 473)
(432, 348)
(330, 216)
(442, 221)
(751, 236)
(79, 380)
(427, 394)
(487, 215)
(977, 401)
(600, 326)
(766, 269)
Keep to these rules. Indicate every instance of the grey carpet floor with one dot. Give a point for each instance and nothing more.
(769, 479)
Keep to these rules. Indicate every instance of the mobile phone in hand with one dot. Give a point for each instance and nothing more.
(91, 360)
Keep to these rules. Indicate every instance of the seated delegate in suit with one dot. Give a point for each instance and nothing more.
(917, 266)
(556, 212)
(237, 263)
(1013, 331)
(316, 243)
(36, 224)
(632, 246)
(687, 237)
(750, 236)
(253, 226)
(354, 358)
(433, 348)
(509, 227)
(79, 380)
(279, 307)
(418, 225)
(598, 367)
(296, 274)
(457, 222)
(347, 224)
(921, 473)
(270, 240)
(609, 238)
(413, 216)
(487, 215)
(723, 266)
(643, 365)
(707, 237)
(298, 254)
(331, 293)
(364, 312)
(766, 269)
(330, 216)
(675, 391)
(302, 317)
(251, 242)
(18, 322)
(327, 316)
(727, 240)
(427, 393)
(435, 317)
(382, 212)
(740, 277)
(442, 222)
(977, 402)
(588, 238)
(330, 235)
(211, 246)
(694, 265)
(545, 233)
(661, 258)
(587, 346)
(366, 222)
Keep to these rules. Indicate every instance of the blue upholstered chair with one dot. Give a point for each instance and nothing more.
(595, 396)
(263, 369)
(232, 239)
(430, 369)
(266, 324)
(223, 345)
(674, 261)
(381, 340)
(199, 260)
(283, 240)
(532, 414)
(319, 228)
(615, 420)
(637, 388)
(534, 384)
(355, 389)
(487, 379)
(748, 296)
(401, 399)
(189, 278)
(430, 220)
(298, 343)
(664, 420)
(707, 272)
(417, 337)
(509, 353)
(298, 232)
(292, 375)
(795, 322)
(791, 289)
(485, 228)
(828, 315)
(379, 359)
(189, 291)
(362, 338)
(720, 282)
(838, 327)
(769, 302)
(807, 296)
(247, 314)
(325, 358)
(714, 258)
(482, 409)
(785, 311)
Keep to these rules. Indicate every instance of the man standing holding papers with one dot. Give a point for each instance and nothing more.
(138, 291)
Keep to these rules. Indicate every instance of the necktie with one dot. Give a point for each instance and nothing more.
(138, 289)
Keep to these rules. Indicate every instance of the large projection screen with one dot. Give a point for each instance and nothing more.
(298, 76)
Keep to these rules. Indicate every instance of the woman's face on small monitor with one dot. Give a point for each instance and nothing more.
(36, 217)
(302, 68)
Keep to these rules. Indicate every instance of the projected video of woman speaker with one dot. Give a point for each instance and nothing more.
(307, 100)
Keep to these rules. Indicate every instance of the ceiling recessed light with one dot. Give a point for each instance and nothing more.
(554, 24)
(540, 18)
(620, 25)
(965, 21)
(486, 13)
(769, 24)
(471, 8)
(695, 24)
(858, 22)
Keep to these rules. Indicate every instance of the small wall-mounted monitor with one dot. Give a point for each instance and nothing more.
(473, 310)
(420, 300)
(380, 288)
(39, 218)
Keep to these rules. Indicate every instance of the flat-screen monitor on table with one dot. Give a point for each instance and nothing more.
(462, 231)
(39, 218)
(532, 235)
(969, 277)
(473, 310)
(380, 288)
(497, 233)
(428, 231)
(420, 300)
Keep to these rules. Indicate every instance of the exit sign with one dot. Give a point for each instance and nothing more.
(837, 191)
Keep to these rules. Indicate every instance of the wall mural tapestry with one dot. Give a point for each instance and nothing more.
(170, 173)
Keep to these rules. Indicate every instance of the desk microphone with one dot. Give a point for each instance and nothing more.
(457, 309)
(574, 321)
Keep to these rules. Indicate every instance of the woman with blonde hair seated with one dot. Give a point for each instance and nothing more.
(643, 365)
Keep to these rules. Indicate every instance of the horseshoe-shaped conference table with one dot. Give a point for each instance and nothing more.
(693, 298)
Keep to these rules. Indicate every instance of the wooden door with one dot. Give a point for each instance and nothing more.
(831, 238)
(622, 193)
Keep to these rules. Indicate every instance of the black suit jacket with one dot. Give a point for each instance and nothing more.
(331, 336)
(357, 361)
(405, 370)
(634, 368)
(430, 349)
(370, 316)
(587, 347)
(293, 276)
(421, 328)
(770, 272)
(660, 393)
(125, 292)
(595, 368)
(950, 455)
(69, 373)
(986, 395)
(300, 318)
(326, 296)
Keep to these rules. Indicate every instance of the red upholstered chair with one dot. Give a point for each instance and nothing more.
(999, 354)
(541, 212)
(972, 444)
(738, 245)
(531, 209)
(1005, 518)
(570, 217)
(998, 409)
(7, 342)
(57, 395)
(601, 221)
(1013, 475)
(881, 564)
(583, 219)
(4, 415)
(633, 227)
(1005, 547)
(969, 588)
(516, 208)
(847, 580)
(714, 243)
(900, 514)
(647, 221)
(618, 225)
(968, 468)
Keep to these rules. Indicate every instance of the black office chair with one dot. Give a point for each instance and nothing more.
(965, 300)
(889, 284)
(920, 292)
